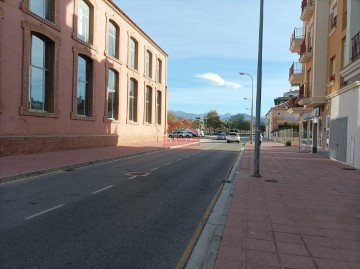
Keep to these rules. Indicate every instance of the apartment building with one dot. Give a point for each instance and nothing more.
(278, 115)
(328, 77)
(77, 74)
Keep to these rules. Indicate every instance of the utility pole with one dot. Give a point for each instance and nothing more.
(258, 96)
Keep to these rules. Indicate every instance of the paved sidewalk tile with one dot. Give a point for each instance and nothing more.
(302, 213)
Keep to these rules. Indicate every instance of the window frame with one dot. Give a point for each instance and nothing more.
(158, 104)
(135, 54)
(332, 66)
(54, 9)
(148, 105)
(92, 82)
(116, 39)
(44, 68)
(132, 116)
(159, 69)
(116, 95)
(53, 95)
(92, 26)
(148, 64)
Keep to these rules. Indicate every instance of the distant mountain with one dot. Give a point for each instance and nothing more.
(224, 117)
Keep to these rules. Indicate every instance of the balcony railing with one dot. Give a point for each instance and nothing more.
(305, 90)
(296, 68)
(355, 47)
(296, 74)
(298, 34)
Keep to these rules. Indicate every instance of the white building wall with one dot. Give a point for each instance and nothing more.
(347, 104)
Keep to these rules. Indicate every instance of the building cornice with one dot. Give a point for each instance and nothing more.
(345, 89)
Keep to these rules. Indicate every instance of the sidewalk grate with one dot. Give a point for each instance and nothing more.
(271, 180)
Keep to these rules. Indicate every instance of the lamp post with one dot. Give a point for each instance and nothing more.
(252, 104)
(258, 95)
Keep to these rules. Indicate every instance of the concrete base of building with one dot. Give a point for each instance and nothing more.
(29, 144)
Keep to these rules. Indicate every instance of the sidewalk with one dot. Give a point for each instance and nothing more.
(25, 166)
(304, 212)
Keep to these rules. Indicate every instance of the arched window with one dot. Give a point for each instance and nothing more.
(148, 104)
(113, 41)
(83, 31)
(158, 71)
(41, 73)
(158, 107)
(148, 64)
(112, 95)
(84, 94)
(133, 88)
(133, 53)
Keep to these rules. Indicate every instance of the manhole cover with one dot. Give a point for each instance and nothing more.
(140, 174)
(271, 180)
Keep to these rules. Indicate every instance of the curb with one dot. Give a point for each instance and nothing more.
(27, 175)
(32, 174)
(206, 249)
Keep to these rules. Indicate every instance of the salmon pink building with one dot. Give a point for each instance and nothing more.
(77, 74)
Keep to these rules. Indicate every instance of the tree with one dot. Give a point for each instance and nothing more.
(238, 122)
(197, 123)
(171, 121)
(213, 120)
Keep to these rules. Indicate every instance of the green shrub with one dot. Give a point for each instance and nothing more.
(288, 143)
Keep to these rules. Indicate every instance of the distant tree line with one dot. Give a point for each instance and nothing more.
(211, 123)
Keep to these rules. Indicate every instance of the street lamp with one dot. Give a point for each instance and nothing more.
(252, 104)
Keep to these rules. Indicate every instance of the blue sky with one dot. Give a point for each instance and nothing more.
(210, 41)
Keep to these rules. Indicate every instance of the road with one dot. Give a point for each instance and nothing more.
(138, 212)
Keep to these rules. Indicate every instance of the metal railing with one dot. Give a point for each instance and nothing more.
(355, 47)
(297, 34)
(305, 90)
(296, 68)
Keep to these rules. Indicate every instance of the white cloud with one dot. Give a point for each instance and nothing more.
(218, 81)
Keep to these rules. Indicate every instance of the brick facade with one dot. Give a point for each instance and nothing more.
(25, 130)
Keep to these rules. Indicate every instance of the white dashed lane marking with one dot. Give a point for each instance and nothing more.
(45, 211)
(103, 189)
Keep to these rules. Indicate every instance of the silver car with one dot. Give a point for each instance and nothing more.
(233, 137)
(221, 136)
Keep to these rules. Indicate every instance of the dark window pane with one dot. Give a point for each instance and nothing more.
(111, 97)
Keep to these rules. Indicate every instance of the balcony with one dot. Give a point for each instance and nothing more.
(293, 106)
(296, 74)
(305, 52)
(355, 47)
(307, 9)
(305, 92)
(296, 40)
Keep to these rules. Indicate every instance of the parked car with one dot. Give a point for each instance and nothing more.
(180, 134)
(177, 134)
(221, 136)
(189, 134)
(233, 137)
(202, 134)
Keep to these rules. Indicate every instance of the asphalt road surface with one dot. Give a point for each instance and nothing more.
(138, 212)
